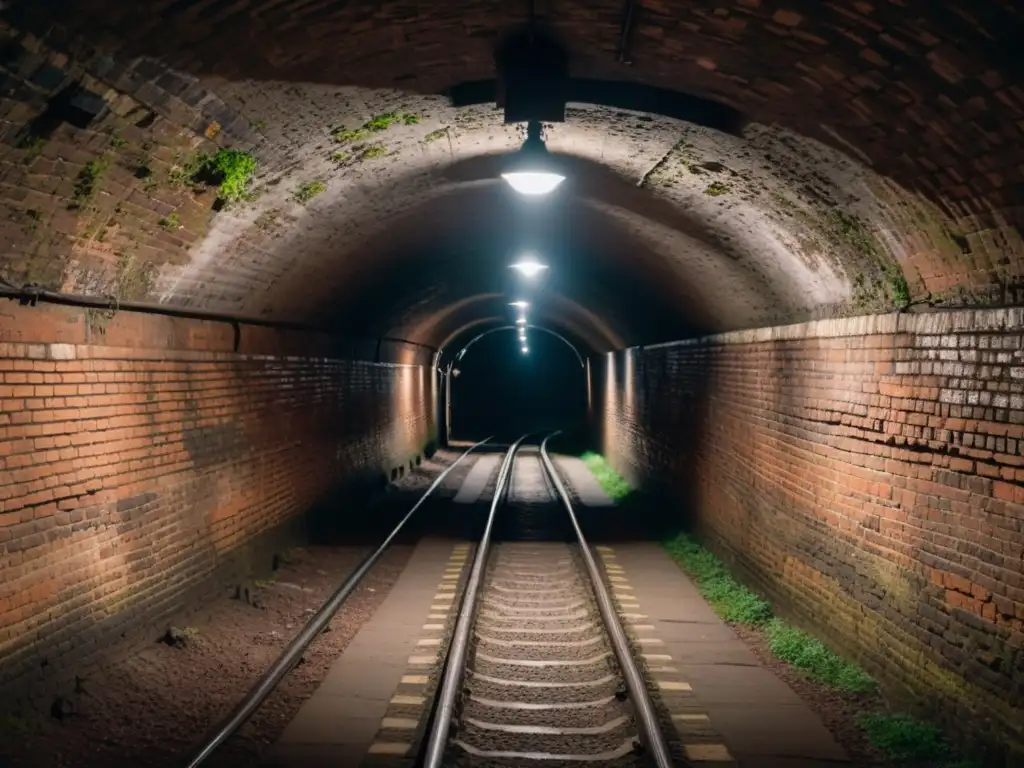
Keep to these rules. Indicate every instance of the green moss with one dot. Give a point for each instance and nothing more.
(308, 190)
(116, 142)
(903, 738)
(343, 135)
(810, 655)
(851, 230)
(375, 124)
(610, 481)
(87, 181)
(171, 222)
(899, 290)
(727, 597)
(340, 157)
(377, 150)
(716, 189)
(435, 135)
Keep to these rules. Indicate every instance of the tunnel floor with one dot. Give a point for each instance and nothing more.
(719, 687)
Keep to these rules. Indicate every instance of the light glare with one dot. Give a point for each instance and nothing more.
(530, 267)
(521, 321)
(525, 350)
(520, 304)
(533, 182)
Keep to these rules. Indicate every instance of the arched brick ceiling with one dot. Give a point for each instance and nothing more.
(883, 137)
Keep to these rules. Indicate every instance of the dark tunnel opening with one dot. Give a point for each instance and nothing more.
(502, 391)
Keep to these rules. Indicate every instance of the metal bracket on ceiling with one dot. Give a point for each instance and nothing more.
(629, 14)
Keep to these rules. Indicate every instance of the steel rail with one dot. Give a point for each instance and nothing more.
(291, 655)
(651, 732)
(457, 649)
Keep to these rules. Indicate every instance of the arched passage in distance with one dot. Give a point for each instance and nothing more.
(504, 391)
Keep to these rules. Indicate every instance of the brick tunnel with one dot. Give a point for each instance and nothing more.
(257, 252)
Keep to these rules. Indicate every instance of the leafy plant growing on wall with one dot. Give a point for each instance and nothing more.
(230, 170)
(87, 181)
(898, 287)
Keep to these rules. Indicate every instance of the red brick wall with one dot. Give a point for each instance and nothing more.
(133, 462)
(868, 476)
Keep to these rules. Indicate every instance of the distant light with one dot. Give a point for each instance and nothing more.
(533, 183)
(530, 267)
(520, 304)
(525, 350)
(521, 321)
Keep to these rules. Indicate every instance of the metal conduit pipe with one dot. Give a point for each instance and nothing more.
(31, 295)
(654, 740)
(459, 646)
(290, 656)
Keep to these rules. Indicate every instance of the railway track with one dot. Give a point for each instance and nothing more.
(539, 670)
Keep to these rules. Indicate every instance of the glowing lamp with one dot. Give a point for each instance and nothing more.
(530, 171)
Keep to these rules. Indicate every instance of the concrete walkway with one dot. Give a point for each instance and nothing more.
(477, 479)
(582, 481)
(341, 722)
(763, 722)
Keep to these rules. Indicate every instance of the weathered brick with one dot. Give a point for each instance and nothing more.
(759, 442)
(276, 431)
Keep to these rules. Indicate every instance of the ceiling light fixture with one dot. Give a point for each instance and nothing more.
(529, 172)
(529, 267)
(525, 350)
(519, 304)
(521, 321)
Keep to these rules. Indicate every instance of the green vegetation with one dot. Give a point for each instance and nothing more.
(235, 170)
(116, 142)
(610, 481)
(230, 170)
(851, 230)
(308, 190)
(170, 222)
(435, 135)
(340, 157)
(726, 596)
(906, 740)
(343, 135)
(810, 655)
(375, 124)
(377, 150)
(87, 181)
(716, 189)
(899, 290)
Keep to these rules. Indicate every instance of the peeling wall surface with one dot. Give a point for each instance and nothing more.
(302, 161)
(866, 473)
